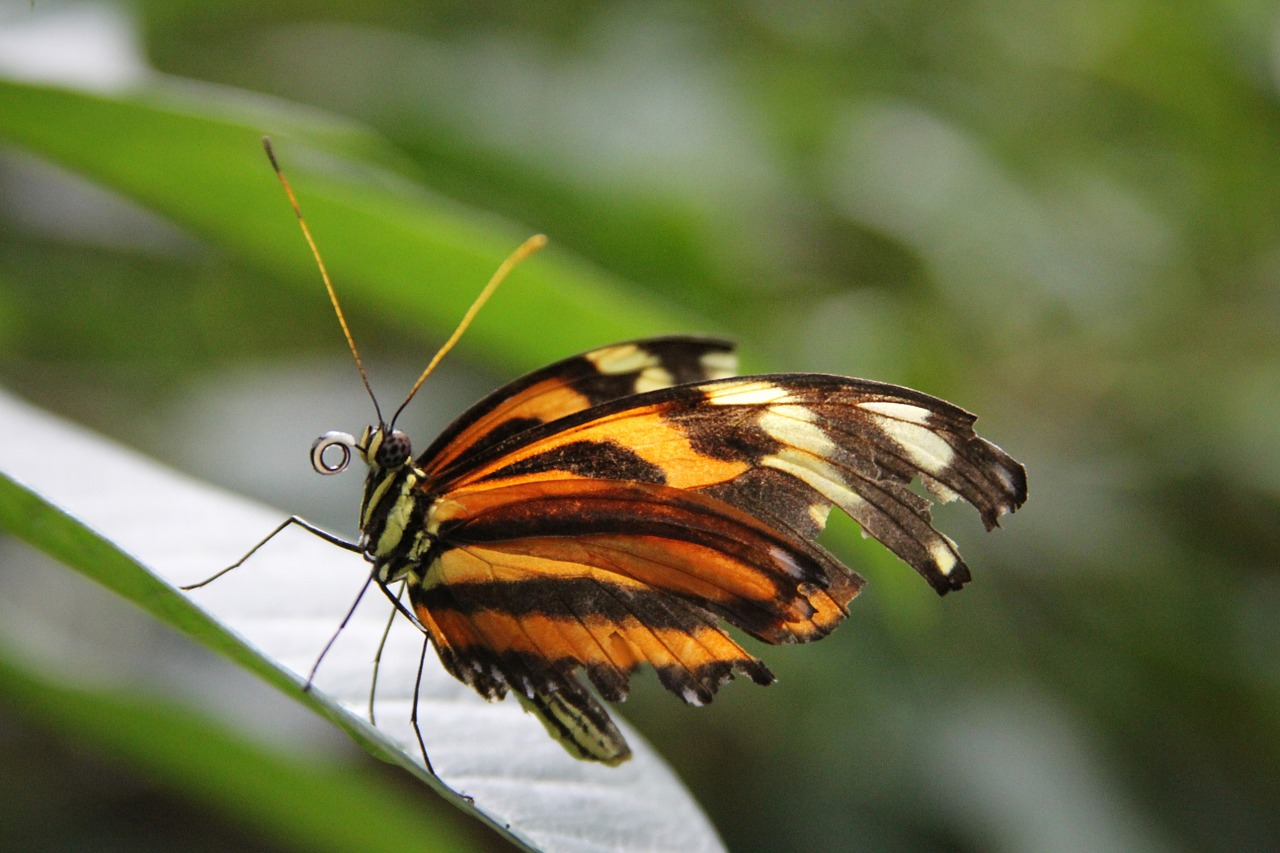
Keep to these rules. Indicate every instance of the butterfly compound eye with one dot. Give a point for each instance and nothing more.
(394, 451)
(327, 442)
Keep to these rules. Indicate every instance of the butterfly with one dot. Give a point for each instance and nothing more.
(617, 508)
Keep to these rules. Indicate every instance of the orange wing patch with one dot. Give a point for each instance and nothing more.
(530, 634)
(777, 587)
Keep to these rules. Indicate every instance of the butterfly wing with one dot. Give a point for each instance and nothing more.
(577, 384)
(623, 533)
(573, 717)
(530, 582)
(783, 448)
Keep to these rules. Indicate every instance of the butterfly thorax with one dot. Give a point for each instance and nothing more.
(392, 510)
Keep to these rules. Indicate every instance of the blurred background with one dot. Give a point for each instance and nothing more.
(1062, 216)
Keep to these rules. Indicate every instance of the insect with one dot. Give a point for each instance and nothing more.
(616, 508)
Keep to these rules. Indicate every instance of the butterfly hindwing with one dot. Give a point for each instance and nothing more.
(529, 630)
(636, 538)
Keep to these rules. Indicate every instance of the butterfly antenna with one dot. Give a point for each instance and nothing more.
(324, 273)
(527, 248)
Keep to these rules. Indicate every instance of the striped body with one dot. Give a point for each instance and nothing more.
(615, 508)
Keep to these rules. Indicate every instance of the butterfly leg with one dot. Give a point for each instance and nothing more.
(293, 519)
(413, 714)
(377, 658)
(341, 626)
(417, 730)
(417, 682)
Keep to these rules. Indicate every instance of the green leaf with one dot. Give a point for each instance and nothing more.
(194, 154)
(221, 767)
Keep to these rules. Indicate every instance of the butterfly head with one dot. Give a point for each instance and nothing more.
(381, 447)
(385, 447)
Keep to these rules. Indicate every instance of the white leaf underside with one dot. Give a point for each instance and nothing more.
(286, 602)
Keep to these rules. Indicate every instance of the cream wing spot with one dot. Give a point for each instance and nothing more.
(653, 378)
(717, 364)
(793, 425)
(631, 358)
(898, 411)
(927, 450)
(807, 448)
(817, 475)
(943, 553)
(1006, 479)
(623, 358)
(944, 493)
(747, 393)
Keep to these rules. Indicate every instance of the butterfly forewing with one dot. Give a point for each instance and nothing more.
(829, 439)
(577, 384)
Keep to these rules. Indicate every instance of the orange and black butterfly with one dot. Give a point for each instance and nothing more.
(617, 508)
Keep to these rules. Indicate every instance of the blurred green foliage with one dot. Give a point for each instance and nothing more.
(1065, 217)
